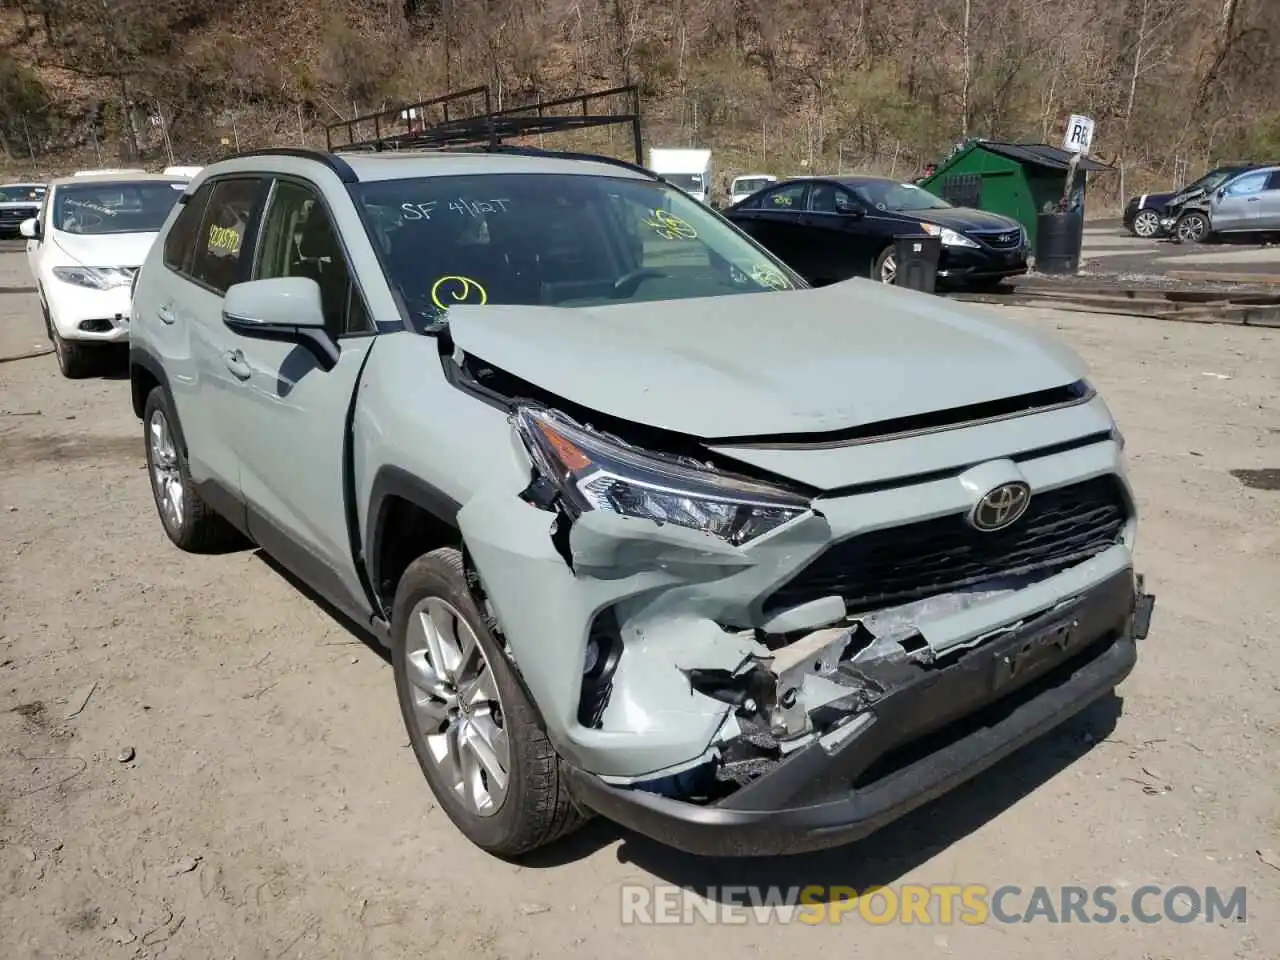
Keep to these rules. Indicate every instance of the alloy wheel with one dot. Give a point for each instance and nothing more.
(166, 477)
(457, 705)
(1146, 224)
(889, 269)
(1192, 228)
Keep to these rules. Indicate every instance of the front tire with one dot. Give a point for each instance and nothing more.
(1192, 227)
(191, 523)
(885, 268)
(477, 738)
(76, 360)
(1146, 224)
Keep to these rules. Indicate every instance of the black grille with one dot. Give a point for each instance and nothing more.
(898, 565)
(1002, 240)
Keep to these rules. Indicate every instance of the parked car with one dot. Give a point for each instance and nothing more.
(833, 228)
(744, 186)
(18, 202)
(1248, 203)
(1150, 214)
(651, 527)
(83, 247)
(1186, 215)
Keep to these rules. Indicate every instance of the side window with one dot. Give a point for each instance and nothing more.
(1273, 182)
(822, 198)
(180, 244)
(222, 232)
(299, 240)
(790, 197)
(1248, 185)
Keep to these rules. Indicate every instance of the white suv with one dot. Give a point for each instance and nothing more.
(84, 247)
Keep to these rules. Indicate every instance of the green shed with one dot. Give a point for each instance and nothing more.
(1015, 179)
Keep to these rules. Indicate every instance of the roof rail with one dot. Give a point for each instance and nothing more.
(333, 162)
(491, 128)
(561, 154)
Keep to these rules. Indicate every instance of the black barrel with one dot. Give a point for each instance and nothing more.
(1058, 240)
(916, 261)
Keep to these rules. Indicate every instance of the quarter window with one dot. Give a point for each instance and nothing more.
(220, 243)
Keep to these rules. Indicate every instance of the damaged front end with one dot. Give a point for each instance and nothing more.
(696, 700)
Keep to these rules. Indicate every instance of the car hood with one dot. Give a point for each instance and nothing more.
(803, 361)
(964, 219)
(106, 250)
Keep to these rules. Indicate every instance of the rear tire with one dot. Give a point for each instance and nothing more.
(1146, 224)
(191, 523)
(523, 804)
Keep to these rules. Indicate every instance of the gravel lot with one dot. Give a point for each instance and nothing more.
(271, 807)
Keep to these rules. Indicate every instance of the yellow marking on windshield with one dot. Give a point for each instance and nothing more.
(465, 287)
(669, 226)
(769, 278)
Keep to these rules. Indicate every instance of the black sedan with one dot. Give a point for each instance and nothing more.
(830, 229)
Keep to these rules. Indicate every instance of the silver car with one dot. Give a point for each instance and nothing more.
(1247, 203)
(651, 528)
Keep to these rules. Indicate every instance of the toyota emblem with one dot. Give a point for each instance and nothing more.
(1000, 507)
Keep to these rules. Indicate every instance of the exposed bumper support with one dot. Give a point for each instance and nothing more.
(1030, 679)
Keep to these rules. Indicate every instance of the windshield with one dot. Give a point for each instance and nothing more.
(114, 207)
(898, 197)
(20, 193)
(554, 240)
(691, 182)
(1212, 180)
(750, 184)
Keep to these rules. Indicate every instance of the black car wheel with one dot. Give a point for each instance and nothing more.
(1192, 227)
(1146, 224)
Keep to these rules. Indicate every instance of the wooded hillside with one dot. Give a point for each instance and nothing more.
(785, 86)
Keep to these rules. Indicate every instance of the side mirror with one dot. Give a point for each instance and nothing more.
(287, 309)
(30, 228)
(1222, 192)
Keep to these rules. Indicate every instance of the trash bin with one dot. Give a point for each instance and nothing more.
(1058, 240)
(916, 257)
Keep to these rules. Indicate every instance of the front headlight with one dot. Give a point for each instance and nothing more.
(95, 278)
(949, 237)
(593, 473)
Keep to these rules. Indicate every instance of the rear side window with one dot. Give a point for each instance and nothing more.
(180, 244)
(787, 199)
(223, 229)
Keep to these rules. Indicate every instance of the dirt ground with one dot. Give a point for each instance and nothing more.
(268, 805)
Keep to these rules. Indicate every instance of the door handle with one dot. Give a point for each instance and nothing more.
(1253, 199)
(167, 315)
(234, 359)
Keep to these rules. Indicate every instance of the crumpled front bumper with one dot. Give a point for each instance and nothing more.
(936, 727)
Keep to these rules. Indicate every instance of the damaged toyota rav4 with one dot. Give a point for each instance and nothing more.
(652, 529)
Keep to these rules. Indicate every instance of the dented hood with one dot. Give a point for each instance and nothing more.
(841, 356)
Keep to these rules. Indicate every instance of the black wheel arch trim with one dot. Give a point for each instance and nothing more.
(142, 359)
(392, 481)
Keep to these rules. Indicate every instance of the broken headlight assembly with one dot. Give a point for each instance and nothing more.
(592, 472)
